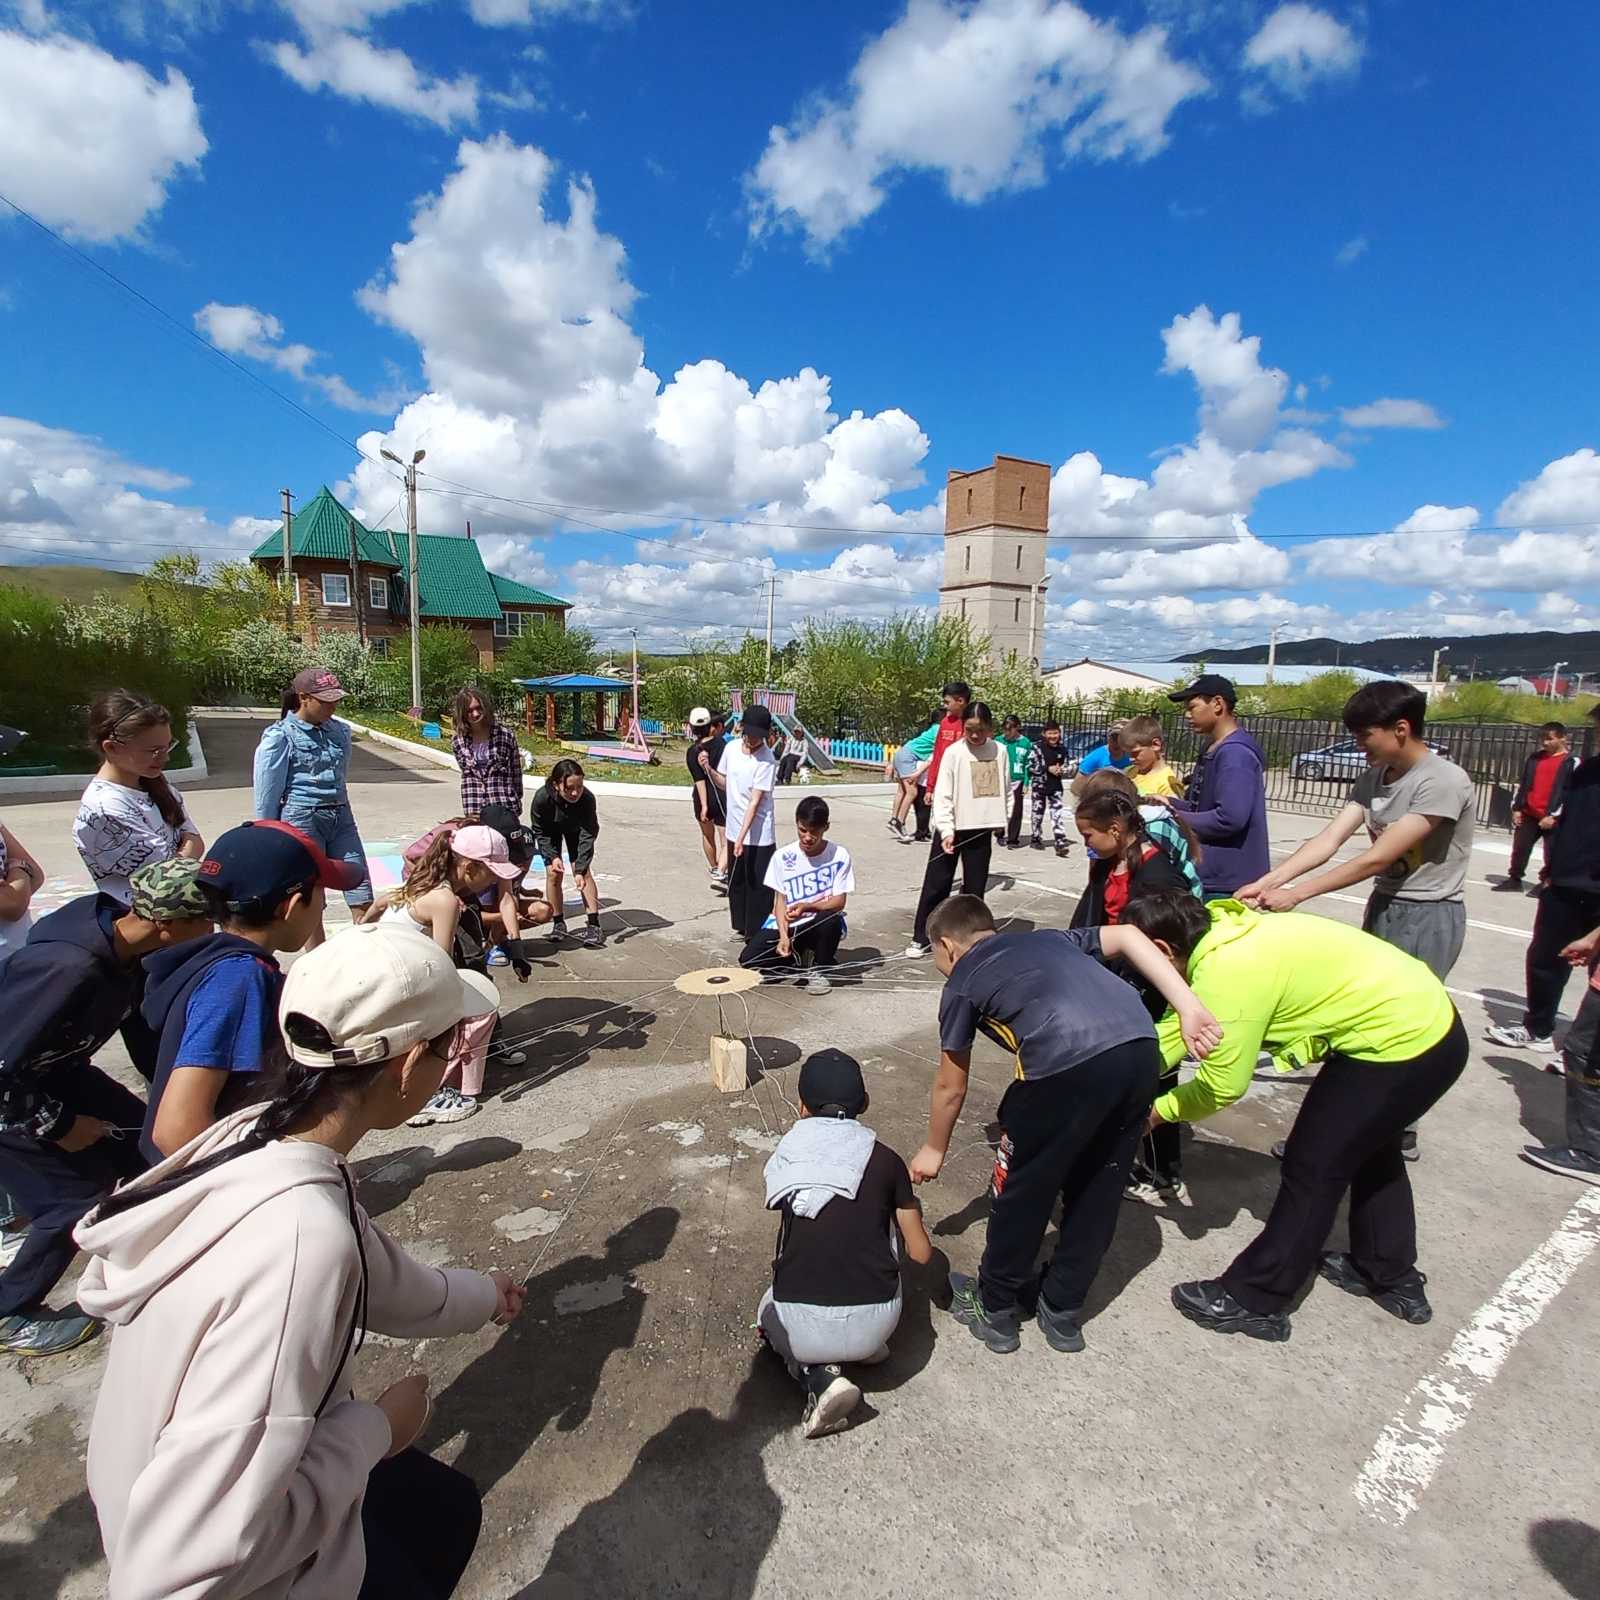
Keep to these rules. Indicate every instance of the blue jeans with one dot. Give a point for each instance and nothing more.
(334, 829)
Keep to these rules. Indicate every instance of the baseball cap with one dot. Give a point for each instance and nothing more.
(375, 991)
(168, 891)
(757, 719)
(699, 718)
(831, 1084)
(319, 683)
(1209, 685)
(516, 833)
(479, 843)
(258, 863)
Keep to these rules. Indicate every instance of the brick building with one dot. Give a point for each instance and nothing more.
(995, 522)
(349, 579)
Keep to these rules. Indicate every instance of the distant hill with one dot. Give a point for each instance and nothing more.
(1485, 655)
(65, 582)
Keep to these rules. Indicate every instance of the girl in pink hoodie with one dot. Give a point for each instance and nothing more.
(228, 1457)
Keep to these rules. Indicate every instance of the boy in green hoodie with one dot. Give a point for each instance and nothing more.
(1309, 988)
(1019, 752)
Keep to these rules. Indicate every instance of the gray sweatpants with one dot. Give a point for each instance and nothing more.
(1431, 930)
(1583, 1077)
(813, 1336)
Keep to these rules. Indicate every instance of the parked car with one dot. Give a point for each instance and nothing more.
(1342, 760)
(1076, 745)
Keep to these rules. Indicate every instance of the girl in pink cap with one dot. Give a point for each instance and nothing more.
(459, 866)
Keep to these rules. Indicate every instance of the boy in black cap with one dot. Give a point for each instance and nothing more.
(1226, 803)
(749, 771)
(835, 1294)
(213, 1004)
(62, 1120)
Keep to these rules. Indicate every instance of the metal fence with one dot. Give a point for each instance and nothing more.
(1311, 762)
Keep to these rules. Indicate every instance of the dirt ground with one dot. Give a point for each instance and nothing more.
(630, 1440)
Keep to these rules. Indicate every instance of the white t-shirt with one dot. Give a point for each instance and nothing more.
(119, 830)
(13, 934)
(797, 876)
(750, 779)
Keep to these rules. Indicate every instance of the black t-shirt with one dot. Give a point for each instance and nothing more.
(712, 745)
(842, 1256)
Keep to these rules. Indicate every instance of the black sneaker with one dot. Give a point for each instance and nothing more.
(1209, 1304)
(997, 1329)
(558, 928)
(1408, 1145)
(830, 1398)
(1407, 1301)
(1063, 849)
(896, 826)
(1279, 1148)
(1569, 1163)
(46, 1333)
(1036, 843)
(593, 938)
(1060, 1328)
(1507, 886)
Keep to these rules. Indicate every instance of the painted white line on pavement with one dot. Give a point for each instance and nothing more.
(1410, 1449)
(1472, 922)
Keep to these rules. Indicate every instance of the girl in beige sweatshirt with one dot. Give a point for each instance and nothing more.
(228, 1457)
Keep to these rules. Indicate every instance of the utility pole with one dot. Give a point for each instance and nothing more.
(1035, 654)
(1433, 677)
(772, 595)
(287, 575)
(411, 562)
(355, 582)
(1272, 655)
(1555, 678)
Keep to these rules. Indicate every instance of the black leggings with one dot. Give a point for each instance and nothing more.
(1347, 1136)
(420, 1519)
(971, 854)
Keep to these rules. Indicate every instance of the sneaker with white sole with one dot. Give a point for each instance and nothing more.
(449, 1105)
(1148, 1191)
(11, 1242)
(830, 1398)
(815, 983)
(1516, 1037)
(1569, 1163)
(915, 951)
(512, 1058)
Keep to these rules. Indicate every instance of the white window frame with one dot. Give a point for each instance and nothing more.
(336, 577)
(380, 649)
(513, 624)
(378, 593)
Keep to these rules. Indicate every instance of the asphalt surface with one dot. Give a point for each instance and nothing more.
(630, 1440)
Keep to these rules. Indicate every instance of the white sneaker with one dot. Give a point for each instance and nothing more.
(830, 1398)
(915, 951)
(512, 1058)
(1157, 1194)
(815, 983)
(1517, 1037)
(449, 1105)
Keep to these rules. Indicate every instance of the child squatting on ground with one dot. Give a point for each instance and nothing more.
(810, 880)
(1086, 1071)
(835, 1295)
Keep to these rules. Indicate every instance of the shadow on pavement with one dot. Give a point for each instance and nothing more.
(65, 1543)
(390, 1180)
(569, 1030)
(1570, 1552)
(1541, 1095)
(546, 1367)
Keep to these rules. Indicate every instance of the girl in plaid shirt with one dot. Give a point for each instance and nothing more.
(487, 753)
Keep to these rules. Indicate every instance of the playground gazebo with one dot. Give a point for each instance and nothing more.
(598, 720)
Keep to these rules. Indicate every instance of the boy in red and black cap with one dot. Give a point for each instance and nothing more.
(213, 1003)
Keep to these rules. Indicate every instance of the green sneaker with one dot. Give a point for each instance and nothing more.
(50, 1334)
(997, 1329)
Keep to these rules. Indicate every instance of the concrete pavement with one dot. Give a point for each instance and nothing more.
(630, 1441)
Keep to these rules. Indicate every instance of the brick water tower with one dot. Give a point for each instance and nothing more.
(995, 521)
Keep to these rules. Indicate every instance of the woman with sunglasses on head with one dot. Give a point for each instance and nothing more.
(130, 815)
(228, 1455)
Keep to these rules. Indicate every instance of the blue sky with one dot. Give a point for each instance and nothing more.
(1241, 273)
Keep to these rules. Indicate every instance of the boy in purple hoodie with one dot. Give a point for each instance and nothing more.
(1226, 804)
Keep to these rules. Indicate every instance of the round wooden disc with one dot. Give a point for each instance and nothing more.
(718, 980)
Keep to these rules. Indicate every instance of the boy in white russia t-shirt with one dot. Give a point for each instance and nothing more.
(810, 882)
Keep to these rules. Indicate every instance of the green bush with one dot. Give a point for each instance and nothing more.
(257, 661)
(546, 649)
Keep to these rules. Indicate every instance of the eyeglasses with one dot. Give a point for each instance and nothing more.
(150, 750)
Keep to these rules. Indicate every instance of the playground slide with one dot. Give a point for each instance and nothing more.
(796, 731)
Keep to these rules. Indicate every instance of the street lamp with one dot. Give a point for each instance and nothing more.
(1433, 678)
(1555, 678)
(411, 561)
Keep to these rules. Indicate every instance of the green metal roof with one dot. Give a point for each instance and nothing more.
(509, 592)
(321, 528)
(452, 580)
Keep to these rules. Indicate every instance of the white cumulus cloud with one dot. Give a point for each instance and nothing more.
(1566, 490)
(987, 96)
(246, 331)
(1392, 414)
(88, 143)
(1299, 44)
(355, 68)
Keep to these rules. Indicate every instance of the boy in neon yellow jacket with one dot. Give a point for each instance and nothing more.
(1391, 1044)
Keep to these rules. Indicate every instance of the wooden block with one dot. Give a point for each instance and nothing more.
(730, 1064)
